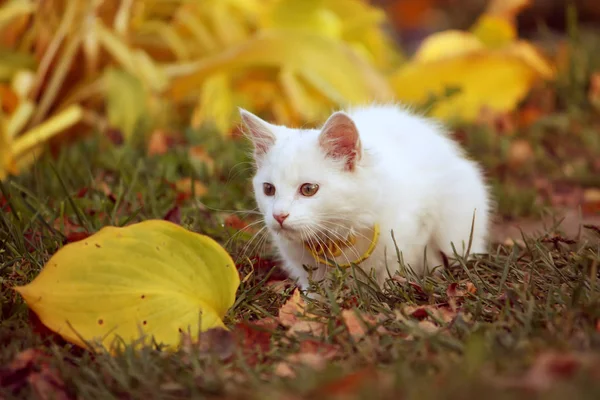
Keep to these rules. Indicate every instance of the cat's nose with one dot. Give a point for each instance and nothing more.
(280, 218)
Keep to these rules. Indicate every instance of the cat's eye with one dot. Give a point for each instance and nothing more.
(268, 189)
(309, 189)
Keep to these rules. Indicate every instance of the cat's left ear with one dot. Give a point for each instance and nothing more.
(339, 139)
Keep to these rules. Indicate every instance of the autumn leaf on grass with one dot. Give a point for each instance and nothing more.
(153, 277)
(360, 325)
(293, 315)
(425, 320)
(488, 67)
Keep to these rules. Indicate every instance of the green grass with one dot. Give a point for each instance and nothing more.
(529, 300)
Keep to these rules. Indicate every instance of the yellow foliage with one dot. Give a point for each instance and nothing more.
(132, 65)
(310, 54)
(153, 278)
(487, 65)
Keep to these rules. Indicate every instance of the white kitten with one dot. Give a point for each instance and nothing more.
(377, 166)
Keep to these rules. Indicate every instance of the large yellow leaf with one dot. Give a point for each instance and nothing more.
(330, 66)
(153, 277)
(496, 78)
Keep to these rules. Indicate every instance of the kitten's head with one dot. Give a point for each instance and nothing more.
(307, 181)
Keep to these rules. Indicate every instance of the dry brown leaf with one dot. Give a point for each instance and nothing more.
(361, 326)
(471, 287)
(293, 315)
(432, 313)
(217, 342)
(313, 360)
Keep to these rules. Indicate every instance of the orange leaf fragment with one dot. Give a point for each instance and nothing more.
(293, 315)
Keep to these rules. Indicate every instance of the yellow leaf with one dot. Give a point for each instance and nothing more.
(49, 128)
(307, 106)
(494, 32)
(498, 80)
(135, 61)
(215, 103)
(331, 67)
(496, 26)
(125, 101)
(308, 15)
(153, 278)
(446, 44)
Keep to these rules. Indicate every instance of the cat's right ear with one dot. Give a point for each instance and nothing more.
(259, 132)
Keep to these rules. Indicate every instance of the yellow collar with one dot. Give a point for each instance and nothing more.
(334, 248)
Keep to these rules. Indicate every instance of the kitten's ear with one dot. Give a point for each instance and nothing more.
(259, 132)
(339, 138)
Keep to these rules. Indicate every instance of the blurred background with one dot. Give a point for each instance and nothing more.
(517, 81)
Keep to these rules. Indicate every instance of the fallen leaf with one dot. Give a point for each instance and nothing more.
(253, 339)
(158, 143)
(471, 288)
(293, 315)
(76, 236)
(428, 316)
(173, 215)
(287, 367)
(360, 325)
(32, 367)
(235, 222)
(154, 277)
(453, 291)
(217, 342)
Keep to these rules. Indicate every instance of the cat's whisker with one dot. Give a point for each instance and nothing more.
(250, 167)
(354, 231)
(339, 237)
(260, 235)
(244, 229)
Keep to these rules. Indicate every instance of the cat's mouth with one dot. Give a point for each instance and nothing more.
(287, 232)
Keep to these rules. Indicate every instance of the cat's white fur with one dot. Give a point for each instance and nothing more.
(407, 176)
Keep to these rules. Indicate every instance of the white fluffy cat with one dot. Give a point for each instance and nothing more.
(376, 166)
